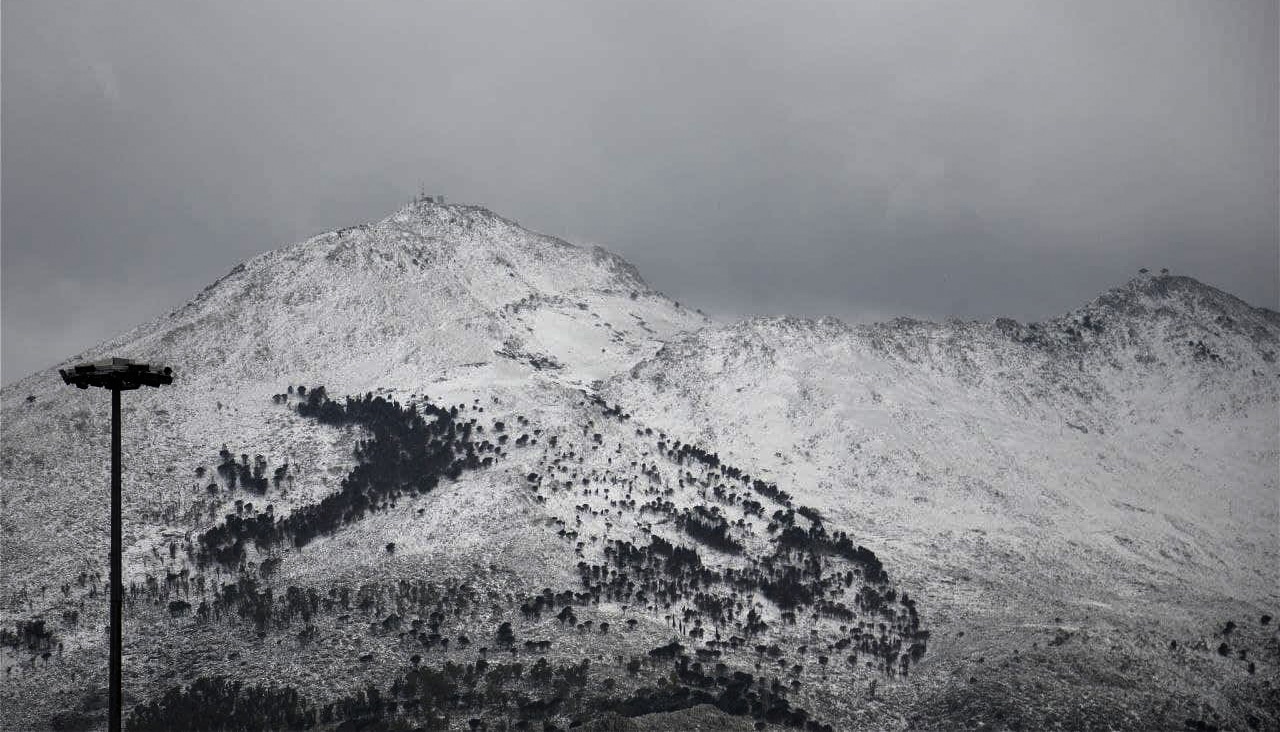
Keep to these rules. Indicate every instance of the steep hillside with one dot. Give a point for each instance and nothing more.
(443, 472)
(1108, 475)
(433, 287)
(432, 294)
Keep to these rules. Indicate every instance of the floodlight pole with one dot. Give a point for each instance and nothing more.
(116, 375)
(117, 573)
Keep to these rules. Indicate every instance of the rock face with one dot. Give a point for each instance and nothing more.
(523, 458)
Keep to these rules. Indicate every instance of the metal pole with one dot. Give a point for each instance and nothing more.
(117, 578)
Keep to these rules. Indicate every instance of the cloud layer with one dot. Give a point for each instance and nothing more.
(938, 159)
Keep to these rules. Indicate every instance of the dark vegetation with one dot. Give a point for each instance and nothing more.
(410, 452)
(222, 704)
(1201, 352)
(783, 555)
(523, 696)
(29, 635)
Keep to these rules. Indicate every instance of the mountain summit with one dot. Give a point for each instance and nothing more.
(442, 472)
(431, 287)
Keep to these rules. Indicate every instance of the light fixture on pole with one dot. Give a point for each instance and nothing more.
(116, 374)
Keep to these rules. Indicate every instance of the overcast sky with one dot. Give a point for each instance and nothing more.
(857, 159)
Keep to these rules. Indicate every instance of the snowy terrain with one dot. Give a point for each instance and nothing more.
(1077, 507)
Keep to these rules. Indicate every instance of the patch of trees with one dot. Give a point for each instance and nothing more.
(437, 696)
(809, 570)
(1201, 352)
(709, 528)
(671, 650)
(249, 600)
(737, 693)
(410, 452)
(547, 601)
(615, 411)
(806, 572)
(678, 557)
(219, 703)
(816, 540)
(250, 477)
(788, 591)
(31, 635)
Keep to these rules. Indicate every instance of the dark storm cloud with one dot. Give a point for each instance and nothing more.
(857, 159)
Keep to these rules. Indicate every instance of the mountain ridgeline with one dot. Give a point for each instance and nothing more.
(441, 472)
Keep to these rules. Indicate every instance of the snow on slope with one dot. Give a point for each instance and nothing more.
(430, 288)
(450, 300)
(1118, 462)
(1008, 473)
(434, 299)
(989, 419)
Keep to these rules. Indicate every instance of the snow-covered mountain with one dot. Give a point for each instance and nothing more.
(779, 522)
(1109, 479)
(430, 289)
(1142, 425)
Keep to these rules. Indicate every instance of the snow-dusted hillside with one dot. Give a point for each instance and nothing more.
(1150, 412)
(431, 289)
(434, 297)
(1059, 500)
(1113, 471)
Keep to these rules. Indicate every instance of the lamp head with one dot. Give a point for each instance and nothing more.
(120, 374)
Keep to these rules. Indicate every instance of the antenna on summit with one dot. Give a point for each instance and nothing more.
(422, 196)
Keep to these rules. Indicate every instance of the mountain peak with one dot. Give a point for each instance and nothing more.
(994, 466)
(1152, 287)
(1165, 296)
(360, 302)
(454, 215)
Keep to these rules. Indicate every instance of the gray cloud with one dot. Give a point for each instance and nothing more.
(863, 160)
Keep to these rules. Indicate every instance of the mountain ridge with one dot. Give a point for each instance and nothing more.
(431, 263)
(1039, 489)
(423, 224)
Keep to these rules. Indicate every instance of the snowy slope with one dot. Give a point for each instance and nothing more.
(1128, 426)
(434, 293)
(432, 287)
(1109, 469)
(1109, 474)
(439, 299)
